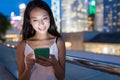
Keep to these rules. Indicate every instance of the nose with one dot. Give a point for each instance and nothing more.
(41, 22)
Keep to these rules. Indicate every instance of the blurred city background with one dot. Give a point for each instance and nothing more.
(90, 28)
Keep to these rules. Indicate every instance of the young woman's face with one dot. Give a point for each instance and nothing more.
(40, 20)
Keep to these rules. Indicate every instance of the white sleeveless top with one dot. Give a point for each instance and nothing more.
(40, 72)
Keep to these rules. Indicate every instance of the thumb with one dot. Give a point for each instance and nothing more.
(52, 56)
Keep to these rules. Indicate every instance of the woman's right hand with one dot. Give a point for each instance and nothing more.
(30, 61)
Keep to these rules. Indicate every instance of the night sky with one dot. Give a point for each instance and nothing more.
(7, 6)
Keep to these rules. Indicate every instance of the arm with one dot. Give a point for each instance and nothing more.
(23, 72)
(59, 67)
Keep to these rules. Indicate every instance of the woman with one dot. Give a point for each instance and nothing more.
(40, 31)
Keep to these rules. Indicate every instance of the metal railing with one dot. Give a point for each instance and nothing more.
(105, 67)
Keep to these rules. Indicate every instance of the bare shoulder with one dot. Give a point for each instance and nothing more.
(61, 44)
(60, 41)
(20, 46)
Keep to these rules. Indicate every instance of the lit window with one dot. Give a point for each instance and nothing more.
(118, 23)
(110, 0)
(68, 44)
(114, 23)
(118, 29)
(118, 4)
(106, 21)
(105, 50)
(115, 10)
(118, 13)
(109, 15)
(114, 5)
(115, 17)
(107, 7)
(110, 24)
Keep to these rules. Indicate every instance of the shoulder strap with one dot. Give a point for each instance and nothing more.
(56, 39)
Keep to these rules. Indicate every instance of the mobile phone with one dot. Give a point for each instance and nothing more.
(42, 52)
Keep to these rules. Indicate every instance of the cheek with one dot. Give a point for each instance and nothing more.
(34, 23)
(34, 26)
(47, 23)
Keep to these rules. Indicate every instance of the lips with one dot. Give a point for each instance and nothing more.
(41, 28)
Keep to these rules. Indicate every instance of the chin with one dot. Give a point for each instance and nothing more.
(42, 32)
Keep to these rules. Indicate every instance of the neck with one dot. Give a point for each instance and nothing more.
(41, 36)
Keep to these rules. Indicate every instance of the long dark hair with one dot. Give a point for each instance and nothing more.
(27, 30)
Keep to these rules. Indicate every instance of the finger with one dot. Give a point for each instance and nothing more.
(44, 63)
(53, 60)
(30, 65)
(30, 60)
(52, 56)
(43, 58)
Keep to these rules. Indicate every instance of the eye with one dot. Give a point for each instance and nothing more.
(35, 20)
(45, 18)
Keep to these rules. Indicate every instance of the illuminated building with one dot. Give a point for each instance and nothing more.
(82, 15)
(74, 15)
(22, 7)
(56, 11)
(13, 35)
(99, 16)
(16, 21)
(111, 15)
(91, 14)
